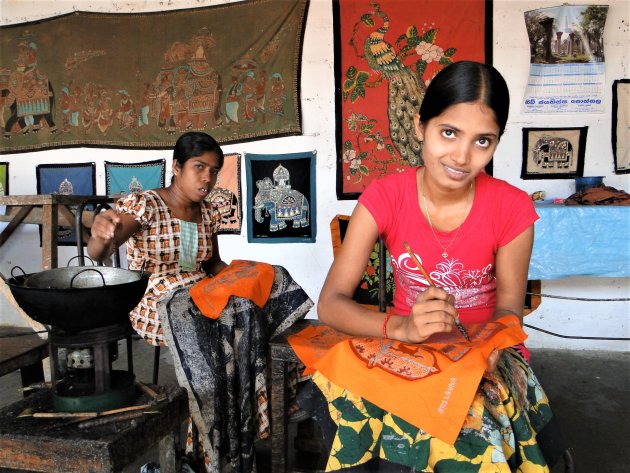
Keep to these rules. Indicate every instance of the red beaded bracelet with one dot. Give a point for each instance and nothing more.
(387, 316)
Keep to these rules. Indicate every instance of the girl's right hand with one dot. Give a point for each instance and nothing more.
(433, 312)
(104, 226)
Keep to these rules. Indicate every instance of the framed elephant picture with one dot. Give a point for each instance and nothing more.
(553, 153)
(281, 205)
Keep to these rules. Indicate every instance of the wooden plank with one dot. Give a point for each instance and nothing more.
(18, 218)
(49, 236)
(46, 199)
(17, 352)
(34, 217)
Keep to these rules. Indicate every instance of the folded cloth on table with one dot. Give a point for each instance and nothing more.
(247, 279)
(601, 195)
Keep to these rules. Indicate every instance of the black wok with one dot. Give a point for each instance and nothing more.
(79, 298)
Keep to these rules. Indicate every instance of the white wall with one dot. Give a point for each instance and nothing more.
(308, 263)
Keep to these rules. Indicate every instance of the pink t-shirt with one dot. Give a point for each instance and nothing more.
(500, 212)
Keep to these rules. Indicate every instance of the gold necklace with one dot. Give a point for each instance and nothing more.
(426, 208)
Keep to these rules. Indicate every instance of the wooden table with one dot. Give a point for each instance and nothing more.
(50, 211)
(23, 349)
(50, 445)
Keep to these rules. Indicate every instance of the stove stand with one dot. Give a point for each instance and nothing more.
(81, 369)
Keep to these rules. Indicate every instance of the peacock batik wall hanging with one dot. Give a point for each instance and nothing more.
(385, 55)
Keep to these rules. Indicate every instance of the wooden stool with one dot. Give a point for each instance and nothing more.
(22, 349)
(54, 445)
(281, 355)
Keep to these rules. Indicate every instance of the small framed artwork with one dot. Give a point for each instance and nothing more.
(124, 178)
(67, 179)
(4, 178)
(281, 198)
(226, 195)
(553, 153)
(621, 125)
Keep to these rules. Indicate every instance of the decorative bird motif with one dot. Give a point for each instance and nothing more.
(405, 90)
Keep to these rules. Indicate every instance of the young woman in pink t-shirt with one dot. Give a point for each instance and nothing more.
(473, 234)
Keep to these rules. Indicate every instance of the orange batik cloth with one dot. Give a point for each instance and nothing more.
(430, 385)
(248, 279)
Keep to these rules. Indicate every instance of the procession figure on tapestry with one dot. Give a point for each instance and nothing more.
(276, 199)
(27, 94)
(189, 88)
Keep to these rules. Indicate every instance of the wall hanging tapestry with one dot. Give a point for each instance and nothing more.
(226, 195)
(4, 178)
(281, 197)
(567, 70)
(621, 125)
(156, 75)
(387, 53)
(66, 179)
(553, 153)
(122, 179)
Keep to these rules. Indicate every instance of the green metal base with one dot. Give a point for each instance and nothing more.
(121, 394)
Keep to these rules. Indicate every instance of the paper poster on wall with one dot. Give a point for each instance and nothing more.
(567, 69)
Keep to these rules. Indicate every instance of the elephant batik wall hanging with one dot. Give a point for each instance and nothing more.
(281, 198)
(553, 153)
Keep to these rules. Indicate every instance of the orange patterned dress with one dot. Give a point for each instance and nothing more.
(156, 245)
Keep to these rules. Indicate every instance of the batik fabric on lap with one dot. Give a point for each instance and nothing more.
(503, 431)
(222, 363)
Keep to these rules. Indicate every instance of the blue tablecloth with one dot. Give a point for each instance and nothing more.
(581, 240)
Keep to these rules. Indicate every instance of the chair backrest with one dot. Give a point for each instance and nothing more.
(376, 288)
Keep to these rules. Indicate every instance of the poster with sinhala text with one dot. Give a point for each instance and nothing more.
(567, 69)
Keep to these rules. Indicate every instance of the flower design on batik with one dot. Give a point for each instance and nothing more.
(429, 52)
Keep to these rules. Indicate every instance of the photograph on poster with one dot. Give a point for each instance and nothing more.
(621, 125)
(553, 153)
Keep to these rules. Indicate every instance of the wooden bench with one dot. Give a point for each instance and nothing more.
(22, 349)
(281, 354)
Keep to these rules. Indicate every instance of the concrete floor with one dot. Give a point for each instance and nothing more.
(589, 392)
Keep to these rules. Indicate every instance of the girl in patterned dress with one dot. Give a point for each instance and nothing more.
(171, 231)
